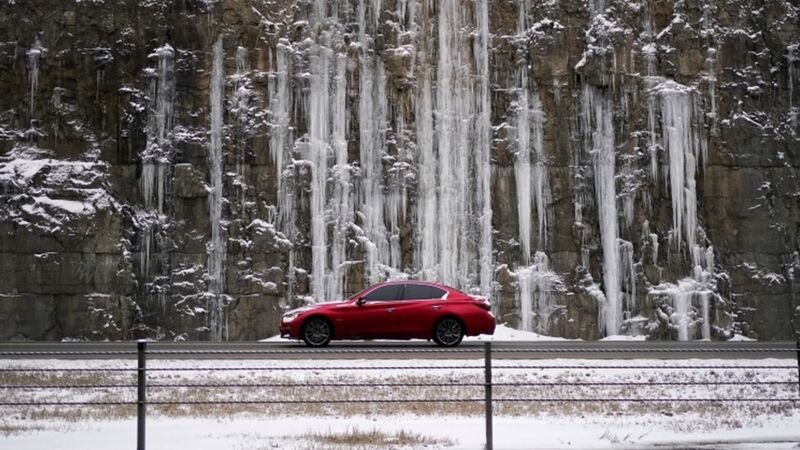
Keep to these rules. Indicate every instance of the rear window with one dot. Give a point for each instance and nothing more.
(422, 292)
(391, 292)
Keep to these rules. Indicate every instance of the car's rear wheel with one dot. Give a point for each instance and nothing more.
(317, 332)
(448, 332)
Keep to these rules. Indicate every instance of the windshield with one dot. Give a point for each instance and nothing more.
(363, 292)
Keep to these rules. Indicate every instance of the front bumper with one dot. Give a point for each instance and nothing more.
(288, 331)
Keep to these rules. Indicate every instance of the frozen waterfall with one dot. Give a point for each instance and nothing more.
(216, 246)
(319, 133)
(599, 131)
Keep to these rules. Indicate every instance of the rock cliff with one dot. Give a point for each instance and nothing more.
(188, 169)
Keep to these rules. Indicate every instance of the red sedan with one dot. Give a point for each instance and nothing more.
(393, 310)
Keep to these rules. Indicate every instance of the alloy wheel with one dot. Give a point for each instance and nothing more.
(448, 332)
(317, 332)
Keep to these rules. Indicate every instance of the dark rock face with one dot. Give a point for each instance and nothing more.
(595, 168)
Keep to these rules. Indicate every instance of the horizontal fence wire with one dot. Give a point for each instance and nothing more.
(379, 385)
(381, 350)
(441, 367)
(70, 369)
(358, 368)
(416, 400)
(73, 353)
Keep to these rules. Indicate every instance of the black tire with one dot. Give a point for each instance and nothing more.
(317, 332)
(448, 332)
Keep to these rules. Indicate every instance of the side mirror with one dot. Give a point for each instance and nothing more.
(361, 301)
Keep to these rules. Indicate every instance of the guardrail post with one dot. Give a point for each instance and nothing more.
(141, 395)
(487, 356)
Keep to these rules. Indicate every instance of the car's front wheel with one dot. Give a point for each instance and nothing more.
(317, 332)
(448, 332)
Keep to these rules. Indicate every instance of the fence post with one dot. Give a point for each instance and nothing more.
(487, 356)
(141, 395)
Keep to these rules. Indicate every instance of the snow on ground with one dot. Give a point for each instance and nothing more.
(505, 333)
(502, 333)
(517, 425)
(618, 337)
(510, 433)
(740, 338)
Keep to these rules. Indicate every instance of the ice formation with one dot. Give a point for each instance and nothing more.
(319, 134)
(535, 284)
(532, 189)
(216, 246)
(34, 54)
(597, 123)
(685, 154)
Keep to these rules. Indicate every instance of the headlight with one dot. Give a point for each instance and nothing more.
(289, 317)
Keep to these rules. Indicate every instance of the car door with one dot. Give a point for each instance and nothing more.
(421, 306)
(372, 318)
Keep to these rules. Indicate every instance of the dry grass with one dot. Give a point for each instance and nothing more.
(355, 438)
(8, 430)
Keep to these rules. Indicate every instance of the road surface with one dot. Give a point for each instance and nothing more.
(403, 350)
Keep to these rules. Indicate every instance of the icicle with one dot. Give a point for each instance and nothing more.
(319, 134)
(522, 168)
(453, 108)
(427, 202)
(681, 151)
(456, 250)
(652, 148)
(241, 107)
(447, 137)
(534, 287)
(654, 247)
(706, 319)
(146, 250)
(216, 246)
(483, 147)
(372, 120)
(792, 56)
(280, 103)
(598, 125)
(157, 156)
(530, 173)
(532, 183)
(341, 202)
(683, 302)
(629, 194)
(710, 262)
(525, 286)
(153, 184)
(242, 62)
(34, 54)
(164, 97)
(628, 273)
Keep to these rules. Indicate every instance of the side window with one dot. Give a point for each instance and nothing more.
(436, 292)
(422, 292)
(416, 292)
(391, 292)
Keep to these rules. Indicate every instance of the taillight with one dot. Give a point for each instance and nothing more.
(482, 302)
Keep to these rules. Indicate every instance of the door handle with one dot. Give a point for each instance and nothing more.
(436, 307)
(389, 309)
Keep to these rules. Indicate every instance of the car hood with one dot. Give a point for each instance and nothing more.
(316, 306)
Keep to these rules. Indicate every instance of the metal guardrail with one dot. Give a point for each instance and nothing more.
(487, 367)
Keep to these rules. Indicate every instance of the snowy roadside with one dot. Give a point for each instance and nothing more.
(518, 425)
(503, 333)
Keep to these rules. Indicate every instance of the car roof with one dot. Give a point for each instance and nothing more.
(424, 282)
